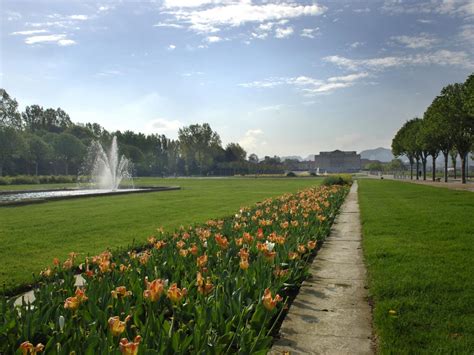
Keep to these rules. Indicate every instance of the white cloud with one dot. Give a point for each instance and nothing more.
(362, 10)
(462, 8)
(307, 85)
(171, 47)
(191, 3)
(109, 73)
(164, 126)
(424, 21)
(79, 17)
(270, 108)
(105, 8)
(213, 39)
(284, 32)
(309, 32)
(423, 40)
(28, 33)
(170, 25)
(13, 15)
(356, 45)
(252, 140)
(467, 33)
(234, 14)
(441, 57)
(192, 73)
(59, 39)
(66, 42)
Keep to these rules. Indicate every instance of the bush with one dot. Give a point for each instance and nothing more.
(191, 291)
(41, 179)
(343, 179)
(291, 174)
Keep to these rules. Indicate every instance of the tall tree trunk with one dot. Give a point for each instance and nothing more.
(417, 169)
(454, 161)
(434, 168)
(411, 170)
(463, 169)
(446, 167)
(423, 161)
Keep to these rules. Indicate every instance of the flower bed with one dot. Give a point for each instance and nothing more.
(213, 288)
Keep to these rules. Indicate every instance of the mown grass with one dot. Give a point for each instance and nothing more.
(419, 248)
(31, 236)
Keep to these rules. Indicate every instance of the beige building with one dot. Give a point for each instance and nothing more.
(337, 162)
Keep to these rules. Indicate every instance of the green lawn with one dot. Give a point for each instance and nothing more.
(31, 236)
(419, 249)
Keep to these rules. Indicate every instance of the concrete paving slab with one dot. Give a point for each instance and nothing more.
(330, 314)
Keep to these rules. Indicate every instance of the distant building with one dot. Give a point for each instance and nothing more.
(337, 162)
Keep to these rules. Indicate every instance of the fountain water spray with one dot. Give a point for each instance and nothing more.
(105, 168)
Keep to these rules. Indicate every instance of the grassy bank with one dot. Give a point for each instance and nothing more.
(419, 249)
(30, 236)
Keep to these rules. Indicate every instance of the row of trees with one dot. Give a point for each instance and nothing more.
(46, 142)
(447, 128)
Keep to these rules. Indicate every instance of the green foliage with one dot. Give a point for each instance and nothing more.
(38, 179)
(231, 317)
(448, 124)
(291, 174)
(418, 248)
(341, 179)
(96, 223)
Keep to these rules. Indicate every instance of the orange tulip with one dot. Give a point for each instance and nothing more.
(301, 249)
(180, 244)
(244, 263)
(194, 249)
(312, 244)
(292, 255)
(120, 292)
(175, 294)
(202, 260)
(116, 326)
(204, 288)
(46, 272)
(130, 347)
(27, 348)
(151, 240)
(160, 244)
(154, 289)
(268, 302)
(73, 303)
(222, 241)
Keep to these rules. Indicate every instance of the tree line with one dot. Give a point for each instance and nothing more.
(447, 128)
(45, 141)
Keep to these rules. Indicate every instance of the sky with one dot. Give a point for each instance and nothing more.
(279, 77)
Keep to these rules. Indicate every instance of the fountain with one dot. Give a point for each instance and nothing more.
(102, 173)
(107, 169)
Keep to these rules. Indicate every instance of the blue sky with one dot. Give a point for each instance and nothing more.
(280, 77)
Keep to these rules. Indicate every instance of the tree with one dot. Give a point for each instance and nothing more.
(402, 145)
(12, 145)
(9, 115)
(395, 165)
(234, 152)
(455, 105)
(199, 145)
(33, 117)
(374, 166)
(37, 151)
(69, 149)
(439, 133)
